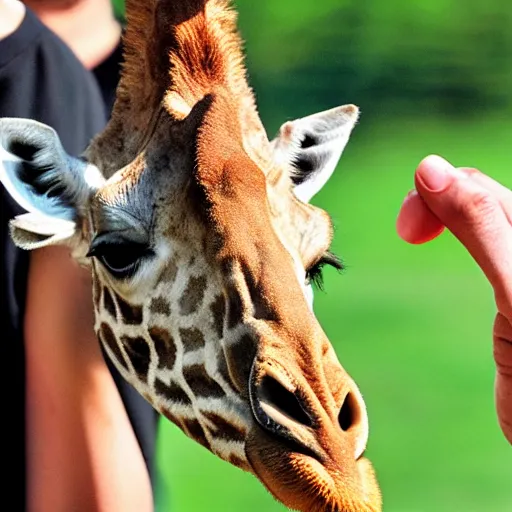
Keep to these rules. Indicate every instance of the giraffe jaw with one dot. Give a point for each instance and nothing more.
(301, 482)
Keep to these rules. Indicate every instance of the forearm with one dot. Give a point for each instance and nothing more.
(82, 453)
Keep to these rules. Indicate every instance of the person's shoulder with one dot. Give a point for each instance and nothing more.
(32, 43)
(55, 52)
(42, 79)
(73, 86)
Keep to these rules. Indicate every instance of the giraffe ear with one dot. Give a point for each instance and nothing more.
(44, 180)
(312, 147)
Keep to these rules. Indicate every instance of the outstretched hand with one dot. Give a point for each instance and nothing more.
(478, 211)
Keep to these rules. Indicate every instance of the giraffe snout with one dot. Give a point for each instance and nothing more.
(307, 445)
(281, 411)
(297, 415)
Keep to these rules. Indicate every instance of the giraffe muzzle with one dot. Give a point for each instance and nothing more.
(293, 413)
(305, 449)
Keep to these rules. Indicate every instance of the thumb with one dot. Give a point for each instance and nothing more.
(474, 213)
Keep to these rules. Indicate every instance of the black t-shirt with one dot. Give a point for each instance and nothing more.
(41, 79)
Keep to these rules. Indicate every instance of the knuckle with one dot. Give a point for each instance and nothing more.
(480, 207)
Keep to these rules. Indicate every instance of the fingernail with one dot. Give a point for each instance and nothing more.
(434, 173)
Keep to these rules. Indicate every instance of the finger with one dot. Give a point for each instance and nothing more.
(503, 358)
(416, 223)
(503, 194)
(475, 216)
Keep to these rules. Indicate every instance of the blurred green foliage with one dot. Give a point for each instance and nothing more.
(411, 324)
(445, 56)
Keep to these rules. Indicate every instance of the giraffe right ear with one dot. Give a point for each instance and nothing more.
(45, 181)
(312, 147)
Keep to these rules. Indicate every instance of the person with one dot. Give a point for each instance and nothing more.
(478, 211)
(72, 444)
(92, 31)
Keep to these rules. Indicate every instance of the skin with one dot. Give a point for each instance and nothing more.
(478, 211)
(82, 454)
(88, 27)
(12, 13)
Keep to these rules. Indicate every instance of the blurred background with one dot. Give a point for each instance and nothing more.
(411, 324)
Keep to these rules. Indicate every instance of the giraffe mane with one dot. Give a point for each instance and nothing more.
(206, 52)
(176, 52)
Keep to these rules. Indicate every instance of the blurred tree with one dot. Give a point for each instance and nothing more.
(444, 56)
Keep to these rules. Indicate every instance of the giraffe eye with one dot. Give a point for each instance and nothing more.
(120, 259)
(314, 273)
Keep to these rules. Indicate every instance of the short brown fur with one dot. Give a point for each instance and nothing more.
(212, 325)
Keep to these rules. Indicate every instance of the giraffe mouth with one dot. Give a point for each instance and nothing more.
(309, 459)
(303, 482)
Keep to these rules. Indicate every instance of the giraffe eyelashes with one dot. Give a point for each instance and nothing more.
(314, 274)
(121, 259)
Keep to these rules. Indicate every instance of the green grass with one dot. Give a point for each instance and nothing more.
(413, 327)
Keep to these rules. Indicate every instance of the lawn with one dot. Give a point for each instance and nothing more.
(411, 324)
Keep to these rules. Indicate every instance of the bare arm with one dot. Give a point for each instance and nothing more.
(82, 454)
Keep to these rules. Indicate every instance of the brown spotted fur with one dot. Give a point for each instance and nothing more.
(184, 77)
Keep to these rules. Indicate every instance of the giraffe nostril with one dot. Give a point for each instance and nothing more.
(277, 401)
(353, 420)
(349, 414)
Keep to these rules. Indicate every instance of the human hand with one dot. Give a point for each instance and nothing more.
(478, 211)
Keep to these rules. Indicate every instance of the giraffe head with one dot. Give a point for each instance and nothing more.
(201, 243)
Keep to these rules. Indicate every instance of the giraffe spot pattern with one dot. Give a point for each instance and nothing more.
(239, 463)
(160, 306)
(218, 309)
(263, 308)
(235, 307)
(193, 295)
(131, 315)
(201, 384)
(108, 338)
(240, 356)
(172, 392)
(222, 368)
(108, 303)
(170, 416)
(222, 429)
(137, 350)
(164, 347)
(194, 430)
(169, 273)
(192, 339)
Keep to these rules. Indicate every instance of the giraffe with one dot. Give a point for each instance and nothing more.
(202, 243)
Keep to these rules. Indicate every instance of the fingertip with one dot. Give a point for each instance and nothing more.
(416, 224)
(434, 161)
(434, 174)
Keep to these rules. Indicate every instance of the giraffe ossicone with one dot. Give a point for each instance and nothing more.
(201, 240)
